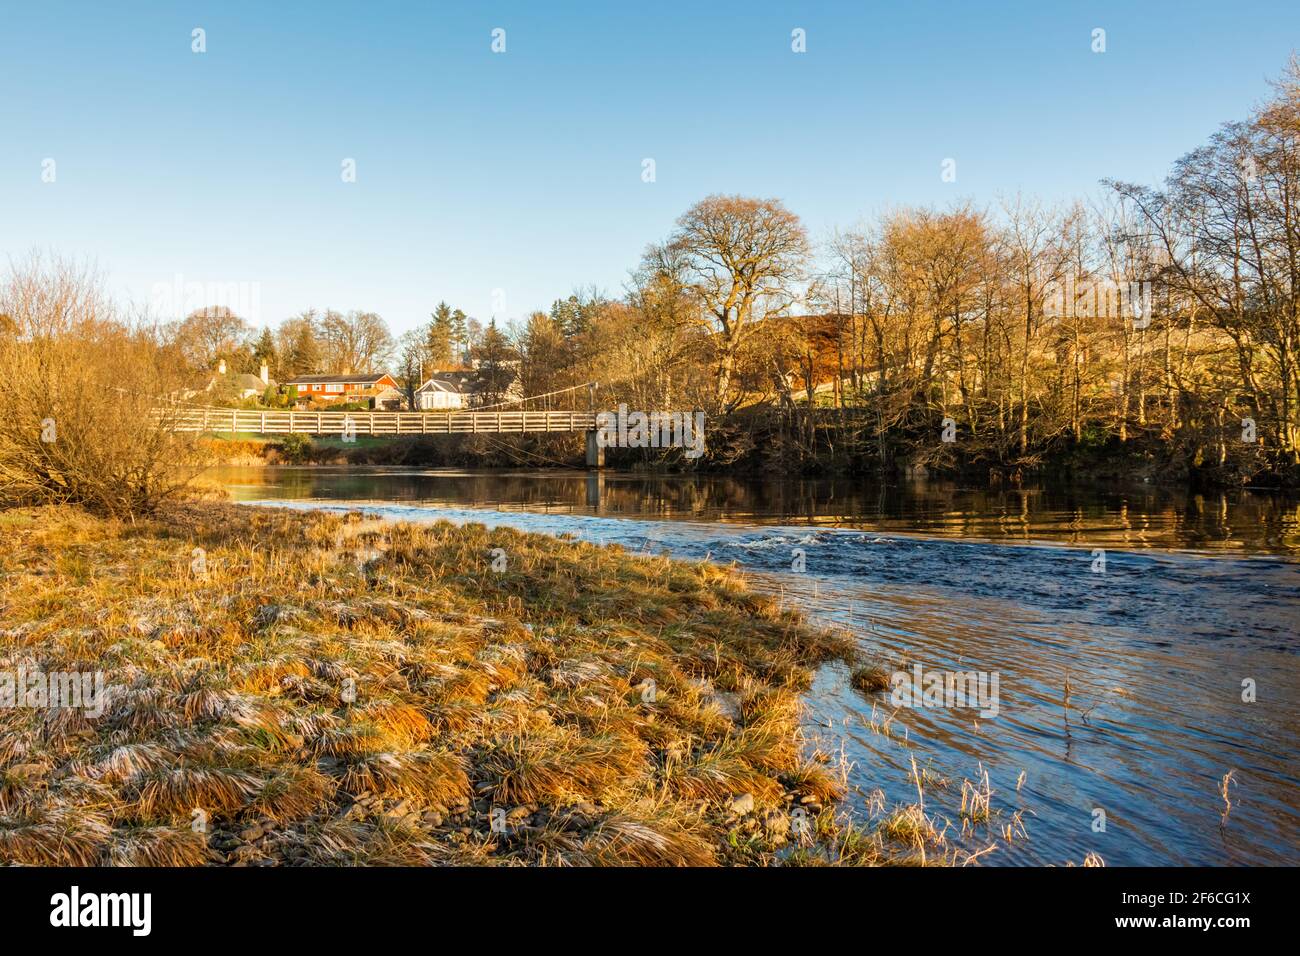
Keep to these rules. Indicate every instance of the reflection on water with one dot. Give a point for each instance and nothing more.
(1155, 650)
(1137, 517)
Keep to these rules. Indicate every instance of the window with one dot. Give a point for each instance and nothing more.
(334, 387)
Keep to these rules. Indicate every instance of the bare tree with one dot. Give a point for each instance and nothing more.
(208, 335)
(356, 342)
(412, 360)
(741, 257)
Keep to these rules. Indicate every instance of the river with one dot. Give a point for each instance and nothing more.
(1171, 617)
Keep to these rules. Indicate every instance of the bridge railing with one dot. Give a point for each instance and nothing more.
(376, 423)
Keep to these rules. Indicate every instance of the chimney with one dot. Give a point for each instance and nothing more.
(266, 375)
(221, 367)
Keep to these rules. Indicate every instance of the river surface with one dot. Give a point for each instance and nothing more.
(1171, 618)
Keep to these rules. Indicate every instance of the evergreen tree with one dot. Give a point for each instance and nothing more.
(459, 336)
(264, 351)
(496, 368)
(300, 351)
(438, 345)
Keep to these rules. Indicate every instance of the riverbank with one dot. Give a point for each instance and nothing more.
(459, 451)
(1146, 458)
(303, 688)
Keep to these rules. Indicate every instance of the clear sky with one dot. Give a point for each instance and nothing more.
(522, 171)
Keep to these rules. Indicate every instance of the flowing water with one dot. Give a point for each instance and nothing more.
(1171, 619)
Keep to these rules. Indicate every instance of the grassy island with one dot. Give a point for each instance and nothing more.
(286, 688)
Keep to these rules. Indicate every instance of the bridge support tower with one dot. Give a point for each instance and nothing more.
(595, 451)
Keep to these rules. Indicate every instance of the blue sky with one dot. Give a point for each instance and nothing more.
(522, 171)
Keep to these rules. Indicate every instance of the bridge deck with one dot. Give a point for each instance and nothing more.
(379, 423)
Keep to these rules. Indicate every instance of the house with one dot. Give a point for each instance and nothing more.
(389, 400)
(225, 386)
(466, 381)
(341, 388)
(439, 394)
(251, 386)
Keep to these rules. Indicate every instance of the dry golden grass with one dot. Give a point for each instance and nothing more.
(869, 679)
(156, 846)
(334, 690)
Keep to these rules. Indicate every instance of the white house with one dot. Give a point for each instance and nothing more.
(439, 394)
(227, 384)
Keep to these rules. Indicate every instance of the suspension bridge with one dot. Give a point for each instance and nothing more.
(270, 422)
(489, 420)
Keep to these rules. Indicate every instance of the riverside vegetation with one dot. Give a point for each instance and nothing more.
(329, 689)
(1148, 332)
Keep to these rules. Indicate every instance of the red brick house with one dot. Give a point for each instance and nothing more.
(341, 388)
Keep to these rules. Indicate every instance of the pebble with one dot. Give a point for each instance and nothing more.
(742, 804)
(729, 704)
(777, 824)
(400, 809)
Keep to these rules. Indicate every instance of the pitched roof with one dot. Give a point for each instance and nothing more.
(455, 377)
(337, 379)
(439, 385)
(250, 381)
(208, 382)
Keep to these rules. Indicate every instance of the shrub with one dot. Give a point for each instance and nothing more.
(295, 448)
(88, 417)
